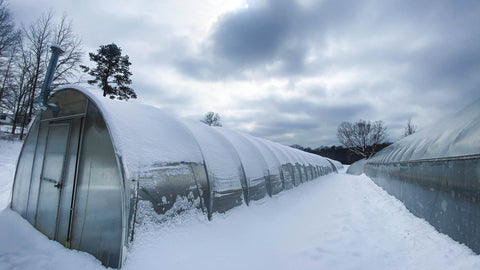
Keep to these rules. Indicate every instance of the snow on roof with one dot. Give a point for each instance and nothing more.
(146, 136)
(143, 135)
(456, 135)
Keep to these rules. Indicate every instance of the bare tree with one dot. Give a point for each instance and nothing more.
(362, 137)
(24, 58)
(211, 119)
(37, 36)
(31, 62)
(8, 35)
(19, 95)
(8, 78)
(68, 65)
(9, 39)
(409, 129)
(7, 74)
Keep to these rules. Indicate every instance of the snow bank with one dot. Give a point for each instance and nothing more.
(8, 160)
(23, 247)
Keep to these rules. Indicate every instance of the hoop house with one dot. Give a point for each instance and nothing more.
(436, 173)
(88, 171)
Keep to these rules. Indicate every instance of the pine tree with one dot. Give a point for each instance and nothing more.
(112, 73)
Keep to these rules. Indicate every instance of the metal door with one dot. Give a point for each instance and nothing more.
(57, 179)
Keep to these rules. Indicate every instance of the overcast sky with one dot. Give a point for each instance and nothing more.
(289, 71)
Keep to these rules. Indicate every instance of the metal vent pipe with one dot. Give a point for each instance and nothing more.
(47, 83)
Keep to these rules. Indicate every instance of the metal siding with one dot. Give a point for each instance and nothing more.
(21, 185)
(97, 220)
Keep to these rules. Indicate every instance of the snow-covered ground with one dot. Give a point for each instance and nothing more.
(9, 151)
(334, 222)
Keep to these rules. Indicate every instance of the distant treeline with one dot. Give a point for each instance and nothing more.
(338, 153)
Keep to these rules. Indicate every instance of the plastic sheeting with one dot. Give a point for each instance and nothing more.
(456, 135)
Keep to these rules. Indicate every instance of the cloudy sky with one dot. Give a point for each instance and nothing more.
(289, 71)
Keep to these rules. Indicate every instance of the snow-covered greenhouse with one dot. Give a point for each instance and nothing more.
(85, 168)
(436, 173)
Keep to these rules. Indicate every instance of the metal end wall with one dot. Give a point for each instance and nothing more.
(68, 182)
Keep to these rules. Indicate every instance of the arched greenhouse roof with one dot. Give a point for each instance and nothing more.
(453, 136)
(145, 136)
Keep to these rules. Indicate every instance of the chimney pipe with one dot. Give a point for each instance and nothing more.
(47, 83)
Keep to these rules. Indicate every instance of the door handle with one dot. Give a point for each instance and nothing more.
(53, 181)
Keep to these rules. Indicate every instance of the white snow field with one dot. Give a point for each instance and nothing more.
(9, 151)
(334, 222)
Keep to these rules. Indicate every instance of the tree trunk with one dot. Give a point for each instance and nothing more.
(18, 109)
(6, 76)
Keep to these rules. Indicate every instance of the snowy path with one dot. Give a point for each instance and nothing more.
(334, 222)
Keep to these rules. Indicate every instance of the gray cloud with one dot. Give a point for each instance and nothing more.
(279, 33)
(252, 37)
(273, 39)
